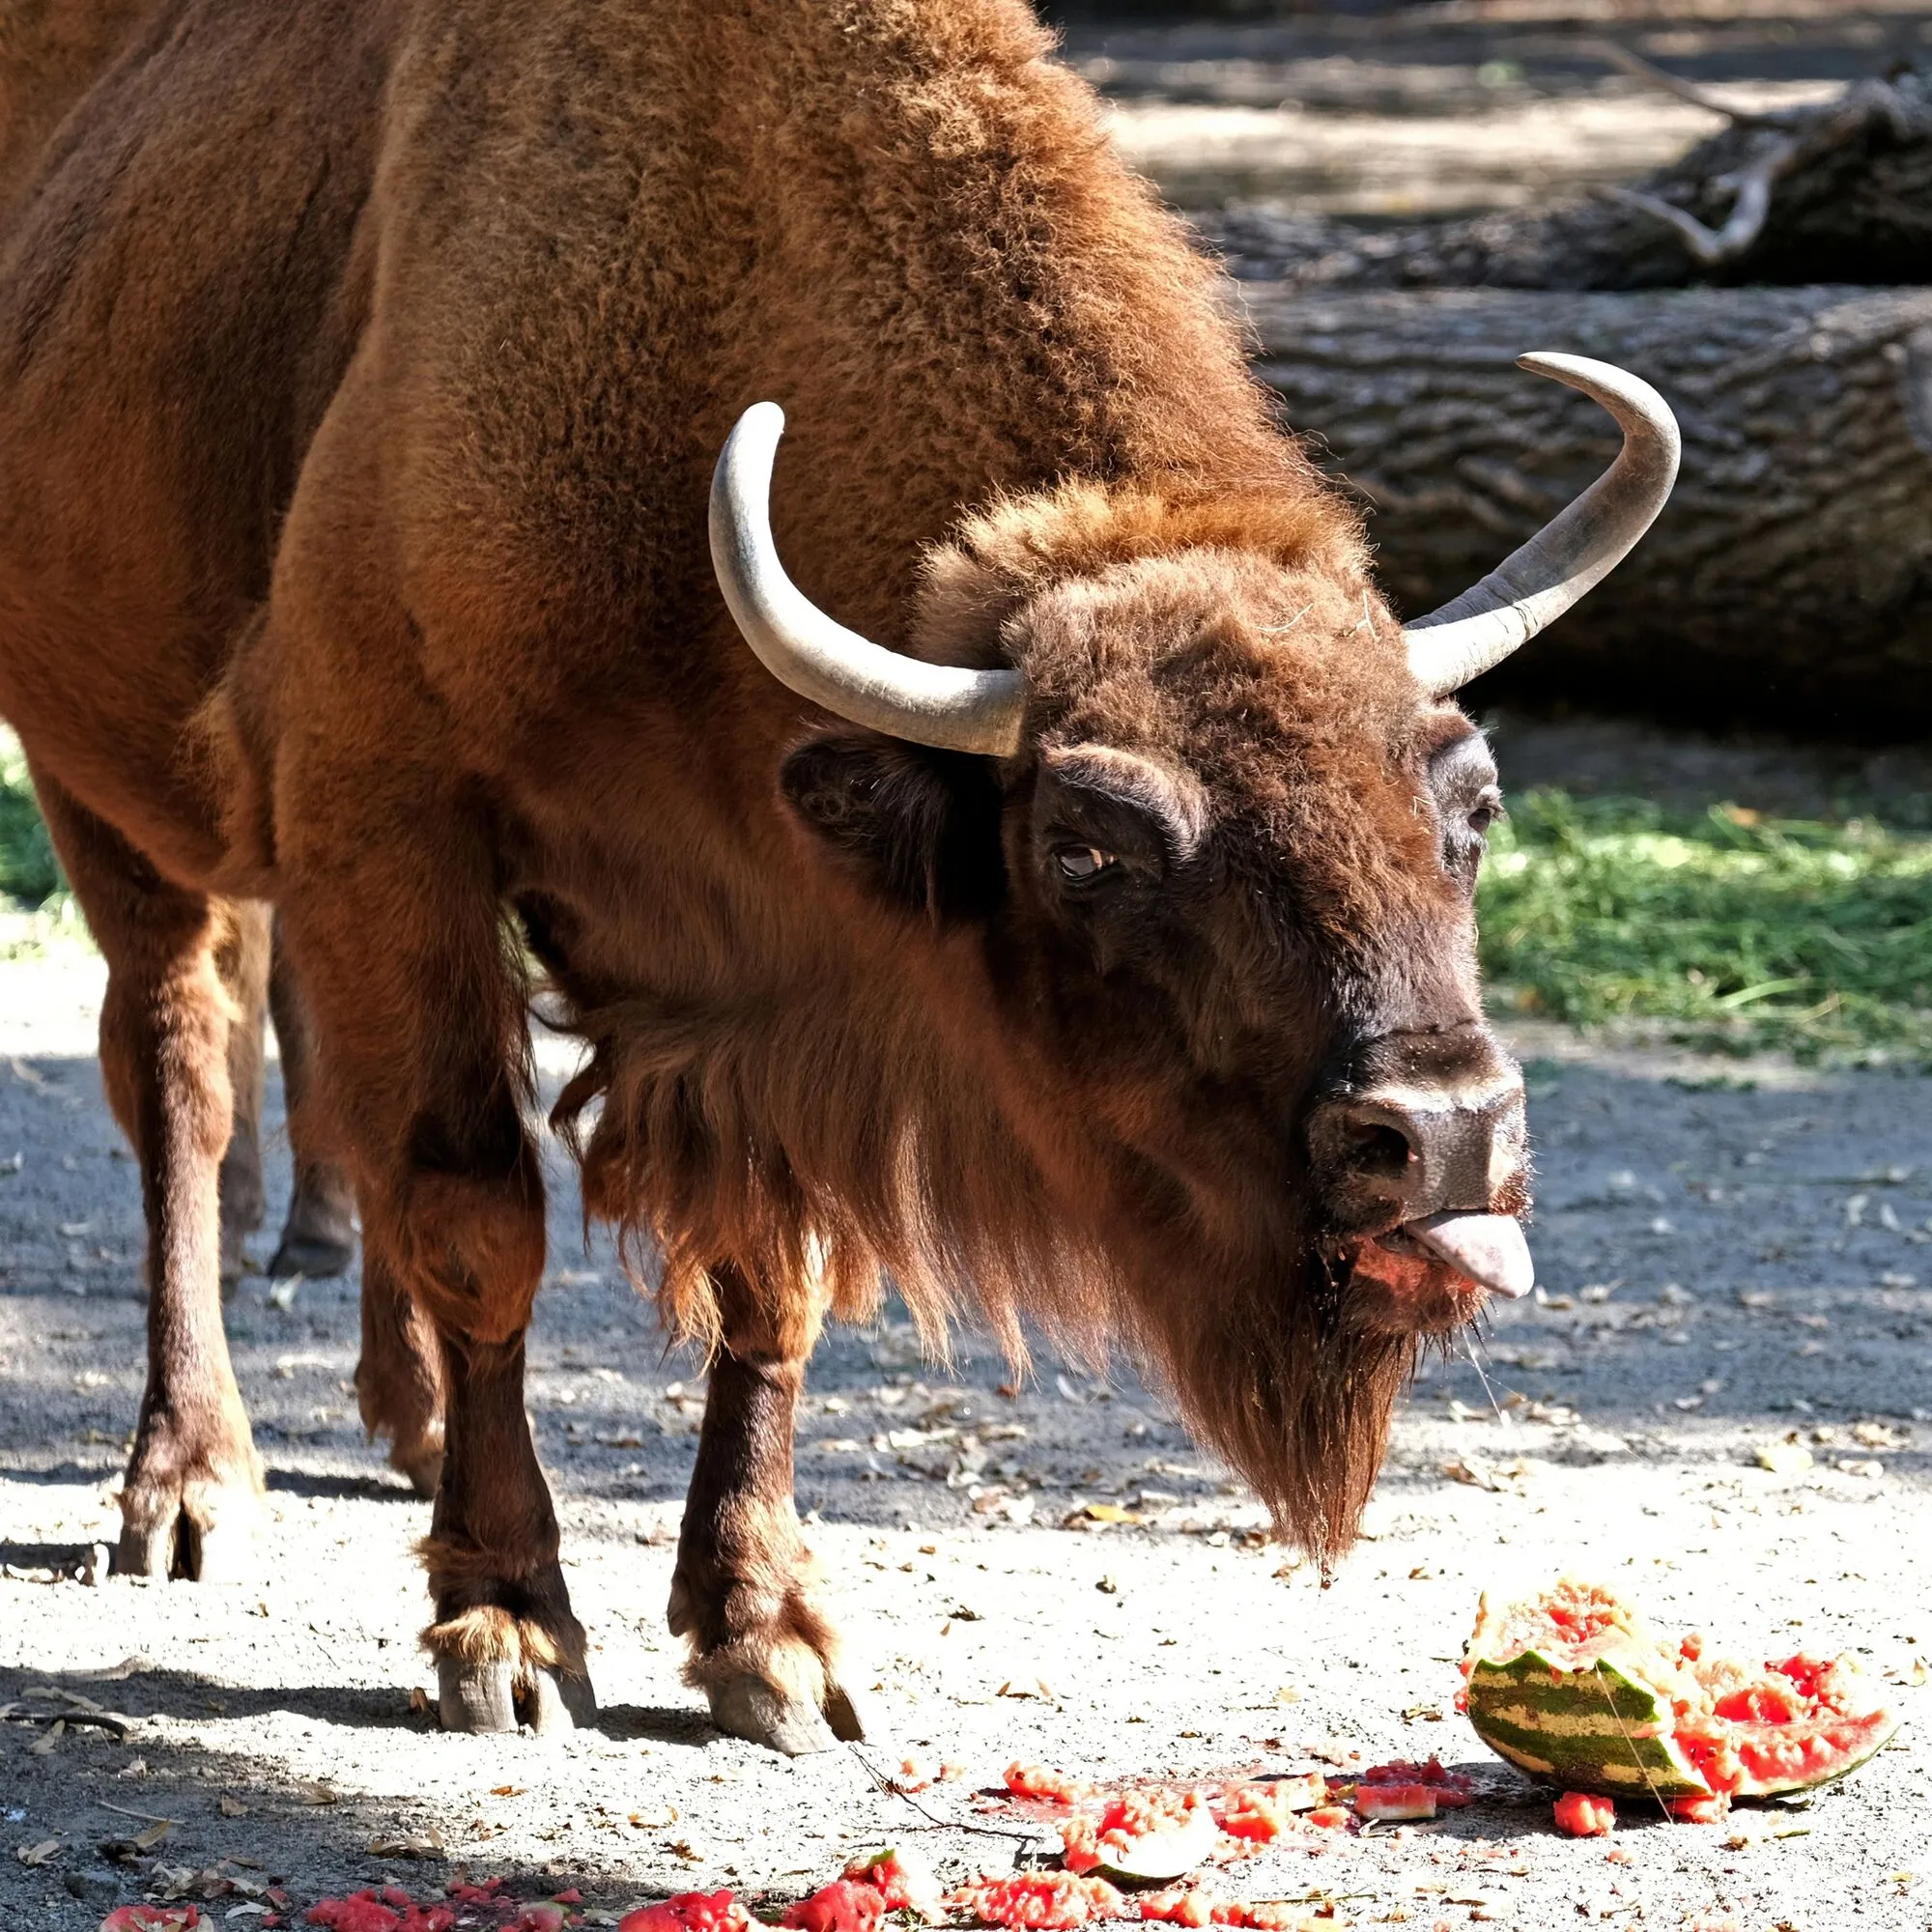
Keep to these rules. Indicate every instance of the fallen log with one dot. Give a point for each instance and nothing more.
(1838, 192)
(1789, 579)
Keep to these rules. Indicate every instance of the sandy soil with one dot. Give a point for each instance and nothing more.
(1725, 1266)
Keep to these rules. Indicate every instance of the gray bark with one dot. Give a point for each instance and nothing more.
(1790, 577)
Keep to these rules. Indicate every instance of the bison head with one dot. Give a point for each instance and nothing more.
(1216, 827)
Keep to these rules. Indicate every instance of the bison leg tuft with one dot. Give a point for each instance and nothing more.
(495, 1671)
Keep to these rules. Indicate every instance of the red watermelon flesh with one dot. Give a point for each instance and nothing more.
(1733, 1729)
(1754, 1730)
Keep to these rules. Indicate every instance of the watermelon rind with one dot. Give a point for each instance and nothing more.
(1600, 1727)
(1593, 1701)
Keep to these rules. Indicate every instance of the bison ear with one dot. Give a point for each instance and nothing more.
(920, 828)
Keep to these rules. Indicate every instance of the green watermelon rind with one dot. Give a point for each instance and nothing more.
(1601, 1728)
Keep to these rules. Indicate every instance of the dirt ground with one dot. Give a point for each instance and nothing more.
(1731, 1256)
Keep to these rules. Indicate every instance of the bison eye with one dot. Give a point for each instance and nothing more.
(1485, 813)
(1081, 862)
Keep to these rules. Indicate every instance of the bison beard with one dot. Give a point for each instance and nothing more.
(1296, 1390)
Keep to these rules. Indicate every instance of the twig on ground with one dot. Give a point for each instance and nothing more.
(129, 1811)
(1642, 70)
(1804, 134)
(896, 1789)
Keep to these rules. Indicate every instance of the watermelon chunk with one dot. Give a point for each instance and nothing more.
(1575, 1688)
(842, 1906)
(1263, 1810)
(1582, 1814)
(902, 1878)
(1039, 1901)
(1389, 1804)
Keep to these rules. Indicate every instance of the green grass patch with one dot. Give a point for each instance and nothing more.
(1736, 932)
(29, 872)
(1742, 932)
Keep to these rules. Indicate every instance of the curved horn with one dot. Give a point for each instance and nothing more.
(801, 647)
(1571, 555)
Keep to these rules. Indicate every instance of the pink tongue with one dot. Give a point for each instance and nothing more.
(1488, 1248)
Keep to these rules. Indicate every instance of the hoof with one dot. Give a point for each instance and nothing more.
(487, 1698)
(207, 1537)
(748, 1707)
(422, 1465)
(314, 1258)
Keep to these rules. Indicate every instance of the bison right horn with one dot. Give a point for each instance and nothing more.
(810, 653)
(1572, 553)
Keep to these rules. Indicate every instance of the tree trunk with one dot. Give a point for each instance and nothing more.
(1790, 577)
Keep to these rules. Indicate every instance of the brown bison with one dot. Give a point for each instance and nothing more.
(1086, 935)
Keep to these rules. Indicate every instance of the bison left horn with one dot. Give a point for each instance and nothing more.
(1572, 553)
(803, 648)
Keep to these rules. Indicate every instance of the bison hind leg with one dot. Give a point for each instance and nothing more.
(180, 968)
(319, 1236)
(399, 1384)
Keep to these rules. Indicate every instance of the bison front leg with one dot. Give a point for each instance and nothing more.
(761, 1649)
(177, 970)
(507, 1648)
(394, 932)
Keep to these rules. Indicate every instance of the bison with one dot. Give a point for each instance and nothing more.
(1084, 934)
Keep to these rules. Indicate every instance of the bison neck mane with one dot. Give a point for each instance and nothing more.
(817, 1153)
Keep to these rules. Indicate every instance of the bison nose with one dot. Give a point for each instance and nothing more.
(1403, 1153)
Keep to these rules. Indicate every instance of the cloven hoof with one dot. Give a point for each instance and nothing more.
(313, 1257)
(748, 1707)
(483, 1698)
(173, 1542)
